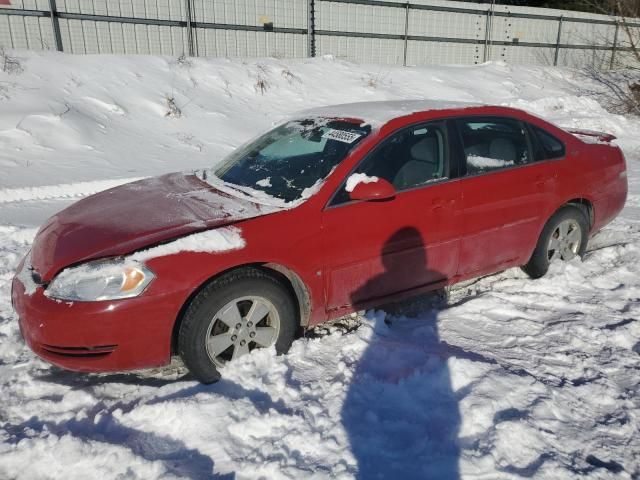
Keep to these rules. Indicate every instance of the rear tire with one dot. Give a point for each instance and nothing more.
(231, 316)
(564, 237)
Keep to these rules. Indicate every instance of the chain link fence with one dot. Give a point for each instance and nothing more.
(369, 31)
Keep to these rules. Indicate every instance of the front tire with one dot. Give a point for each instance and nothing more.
(564, 237)
(233, 315)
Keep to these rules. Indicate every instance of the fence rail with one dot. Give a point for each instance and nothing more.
(373, 31)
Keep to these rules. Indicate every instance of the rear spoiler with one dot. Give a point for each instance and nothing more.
(591, 136)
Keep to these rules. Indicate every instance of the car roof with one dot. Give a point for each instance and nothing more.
(377, 114)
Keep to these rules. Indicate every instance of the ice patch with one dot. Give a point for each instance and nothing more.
(265, 182)
(312, 190)
(24, 276)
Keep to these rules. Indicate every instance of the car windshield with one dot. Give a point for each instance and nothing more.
(293, 157)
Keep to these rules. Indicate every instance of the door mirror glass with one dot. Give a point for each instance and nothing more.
(361, 187)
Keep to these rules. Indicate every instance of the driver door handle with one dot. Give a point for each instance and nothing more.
(440, 203)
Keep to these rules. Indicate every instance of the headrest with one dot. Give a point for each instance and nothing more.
(502, 149)
(426, 150)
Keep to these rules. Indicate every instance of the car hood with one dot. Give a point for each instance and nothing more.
(133, 216)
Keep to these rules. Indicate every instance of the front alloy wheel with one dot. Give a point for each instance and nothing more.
(240, 326)
(233, 315)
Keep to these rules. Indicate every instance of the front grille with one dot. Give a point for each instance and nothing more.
(97, 351)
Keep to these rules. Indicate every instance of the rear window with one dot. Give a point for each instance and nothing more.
(493, 143)
(549, 147)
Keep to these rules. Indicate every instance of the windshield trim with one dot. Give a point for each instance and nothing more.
(238, 191)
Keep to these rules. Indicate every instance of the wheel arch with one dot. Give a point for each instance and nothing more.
(583, 204)
(289, 278)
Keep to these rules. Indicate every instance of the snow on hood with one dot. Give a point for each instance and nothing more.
(218, 240)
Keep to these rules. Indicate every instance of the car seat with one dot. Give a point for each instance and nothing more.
(423, 166)
(503, 149)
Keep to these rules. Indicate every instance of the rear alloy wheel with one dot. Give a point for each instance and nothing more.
(231, 317)
(564, 237)
(565, 241)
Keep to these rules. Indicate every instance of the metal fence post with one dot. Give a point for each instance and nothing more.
(487, 28)
(557, 52)
(613, 48)
(190, 45)
(406, 34)
(311, 28)
(55, 25)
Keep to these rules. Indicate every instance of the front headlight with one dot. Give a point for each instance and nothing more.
(100, 280)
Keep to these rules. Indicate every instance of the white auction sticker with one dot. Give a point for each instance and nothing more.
(341, 136)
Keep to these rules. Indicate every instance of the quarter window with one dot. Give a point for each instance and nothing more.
(493, 144)
(550, 146)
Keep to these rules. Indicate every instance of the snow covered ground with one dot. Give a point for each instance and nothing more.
(512, 378)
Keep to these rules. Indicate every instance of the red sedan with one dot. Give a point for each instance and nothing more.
(339, 209)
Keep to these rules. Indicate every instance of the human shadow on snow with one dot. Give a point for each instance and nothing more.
(400, 412)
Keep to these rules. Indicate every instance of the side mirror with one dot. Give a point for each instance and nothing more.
(368, 189)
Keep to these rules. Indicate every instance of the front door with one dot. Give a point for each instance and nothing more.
(376, 249)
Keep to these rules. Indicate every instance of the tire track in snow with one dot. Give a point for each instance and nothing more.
(65, 190)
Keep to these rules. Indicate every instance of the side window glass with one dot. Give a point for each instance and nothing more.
(493, 144)
(413, 157)
(550, 146)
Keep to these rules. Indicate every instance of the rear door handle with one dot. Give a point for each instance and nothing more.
(439, 203)
(541, 181)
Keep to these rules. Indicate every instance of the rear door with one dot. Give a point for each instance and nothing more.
(506, 193)
(377, 249)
